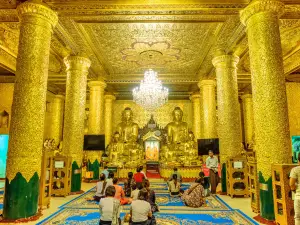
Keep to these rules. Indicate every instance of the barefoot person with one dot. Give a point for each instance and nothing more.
(212, 165)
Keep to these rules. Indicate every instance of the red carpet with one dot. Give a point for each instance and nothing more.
(258, 218)
(153, 175)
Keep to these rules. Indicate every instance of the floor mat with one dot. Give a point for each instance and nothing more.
(92, 216)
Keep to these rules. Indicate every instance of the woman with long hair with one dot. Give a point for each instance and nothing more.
(151, 195)
(174, 186)
(128, 184)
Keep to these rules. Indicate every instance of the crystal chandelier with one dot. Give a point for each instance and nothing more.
(150, 94)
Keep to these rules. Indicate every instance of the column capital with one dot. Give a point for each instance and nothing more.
(195, 96)
(62, 97)
(229, 61)
(77, 62)
(97, 84)
(207, 83)
(245, 96)
(109, 97)
(275, 7)
(37, 7)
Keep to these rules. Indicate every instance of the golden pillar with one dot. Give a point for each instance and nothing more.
(96, 110)
(208, 112)
(56, 108)
(271, 125)
(73, 134)
(229, 124)
(195, 98)
(109, 99)
(28, 111)
(247, 107)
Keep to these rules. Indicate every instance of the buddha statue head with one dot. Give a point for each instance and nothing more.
(116, 137)
(127, 114)
(177, 114)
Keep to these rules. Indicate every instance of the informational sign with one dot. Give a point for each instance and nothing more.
(3, 153)
(152, 150)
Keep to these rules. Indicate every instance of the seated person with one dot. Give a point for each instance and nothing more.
(105, 171)
(120, 194)
(138, 177)
(143, 172)
(205, 183)
(110, 208)
(193, 197)
(100, 188)
(151, 195)
(135, 192)
(110, 178)
(128, 184)
(141, 209)
(175, 171)
(174, 186)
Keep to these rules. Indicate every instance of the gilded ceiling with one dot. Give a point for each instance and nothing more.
(123, 38)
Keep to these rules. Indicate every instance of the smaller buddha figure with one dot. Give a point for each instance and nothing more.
(115, 149)
(4, 119)
(191, 152)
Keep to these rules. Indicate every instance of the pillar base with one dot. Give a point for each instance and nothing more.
(77, 192)
(75, 178)
(266, 198)
(23, 220)
(21, 197)
(262, 220)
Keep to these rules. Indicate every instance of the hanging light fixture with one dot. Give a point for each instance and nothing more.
(150, 94)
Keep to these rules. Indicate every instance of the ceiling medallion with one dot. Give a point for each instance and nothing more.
(150, 94)
(146, 54)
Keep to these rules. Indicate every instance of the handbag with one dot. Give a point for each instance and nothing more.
(115, 217)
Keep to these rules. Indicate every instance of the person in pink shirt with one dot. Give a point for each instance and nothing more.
(120, 194)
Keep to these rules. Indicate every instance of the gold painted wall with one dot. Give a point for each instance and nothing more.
(162, 116)
(6, 98)
(293, 96)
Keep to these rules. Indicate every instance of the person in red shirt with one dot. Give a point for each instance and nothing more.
(138, 177)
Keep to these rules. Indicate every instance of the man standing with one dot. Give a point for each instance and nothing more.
(212, 165)
(295, 186)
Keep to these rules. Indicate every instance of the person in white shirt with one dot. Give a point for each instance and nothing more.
(135, 192)
(295, 186)
(141, 209)
(110, 208)
(100, 188)
(212, 165)
(110, 178)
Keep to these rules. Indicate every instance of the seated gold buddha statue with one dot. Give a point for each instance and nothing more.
(191, 152)
(177, 136)
(124, 149)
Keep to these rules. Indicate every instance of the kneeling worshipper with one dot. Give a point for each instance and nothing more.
(174, 186)
(120, 194)
(135, 192)
(100, 189)
(193, 197)
(110, 208)
(151, 196)
(205, 183)
(138, 177)
(141, 213)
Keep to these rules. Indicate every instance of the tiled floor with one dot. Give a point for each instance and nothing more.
(237, 203)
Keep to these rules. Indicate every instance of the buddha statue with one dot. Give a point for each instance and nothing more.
(177, 136)
(124, 149)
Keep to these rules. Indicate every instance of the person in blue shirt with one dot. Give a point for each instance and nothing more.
(105, 171)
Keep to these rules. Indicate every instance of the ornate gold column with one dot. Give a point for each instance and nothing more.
(28, 111)
(271, 125)
(77, 70)
(56, 118)
(195, 98)
(229, 122)
(229, 130)
(208, 112)
(109, 99)
(96, 110)
(247, 107)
